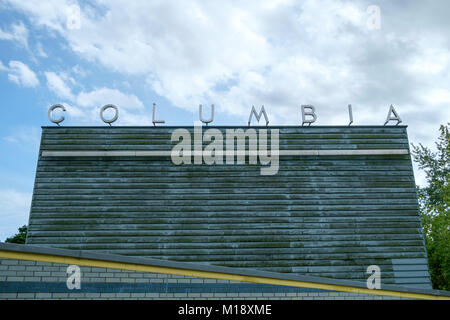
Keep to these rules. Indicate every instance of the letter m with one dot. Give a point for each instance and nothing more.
(258, 116)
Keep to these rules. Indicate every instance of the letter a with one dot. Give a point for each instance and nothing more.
(393, 118)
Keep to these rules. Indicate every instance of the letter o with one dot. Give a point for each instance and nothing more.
(50, 112)
(108, 106)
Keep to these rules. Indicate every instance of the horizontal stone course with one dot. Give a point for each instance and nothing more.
(113, 285)
(144, 206)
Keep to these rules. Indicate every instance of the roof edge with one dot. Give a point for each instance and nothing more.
(246, 274)
(227, 126)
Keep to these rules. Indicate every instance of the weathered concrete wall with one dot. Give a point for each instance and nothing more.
(327, 216)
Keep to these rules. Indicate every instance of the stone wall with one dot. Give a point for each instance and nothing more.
(23, 279)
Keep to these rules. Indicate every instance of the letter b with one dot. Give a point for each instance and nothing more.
(311, 112)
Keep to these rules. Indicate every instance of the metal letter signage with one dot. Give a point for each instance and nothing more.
(258, 116)
(350, 114)
(311, 112)
(50, 112)
(200, 109)
(309, 115)
(154, 115)
(393, 118)
(116, 115)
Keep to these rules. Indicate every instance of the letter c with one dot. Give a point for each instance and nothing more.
(50, 112)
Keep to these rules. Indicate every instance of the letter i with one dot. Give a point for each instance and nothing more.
(350, 114)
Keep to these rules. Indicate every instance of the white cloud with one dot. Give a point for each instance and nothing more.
(438, 95)
(85, 105)
(102, 96)
(75, 112)
(14, 211)
(20, 73)
(280, 54)
(131, 108)
(51, 13)
(18, 33)
(57, 84)
(80, 71)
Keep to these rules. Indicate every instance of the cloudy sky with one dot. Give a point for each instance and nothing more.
(235, 54)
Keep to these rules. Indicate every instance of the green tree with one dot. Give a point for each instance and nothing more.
(19, 237)
(434, 201)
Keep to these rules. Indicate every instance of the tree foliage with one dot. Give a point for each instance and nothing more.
(434, 201)
(19, 237)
